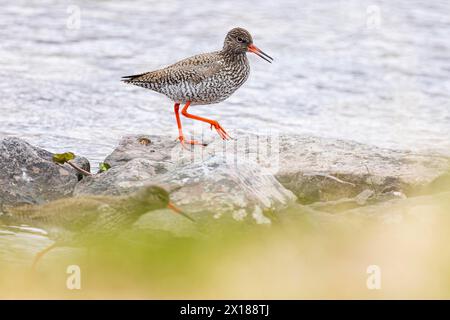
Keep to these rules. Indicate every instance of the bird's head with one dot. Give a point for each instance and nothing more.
(154, 197)
(239, 40)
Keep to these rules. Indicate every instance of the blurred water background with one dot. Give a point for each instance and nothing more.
(377, 72)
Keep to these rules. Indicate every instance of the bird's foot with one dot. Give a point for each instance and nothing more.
(221, 131)
(183, 142)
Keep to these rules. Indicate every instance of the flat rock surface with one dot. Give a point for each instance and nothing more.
(154, 148)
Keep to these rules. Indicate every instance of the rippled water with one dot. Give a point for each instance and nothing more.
(343, 69)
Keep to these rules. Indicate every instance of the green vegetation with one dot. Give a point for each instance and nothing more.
(62, 158)
(103, 166)
(67, 157)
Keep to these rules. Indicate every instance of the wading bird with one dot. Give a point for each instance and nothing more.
(84, 221)
(203, 79)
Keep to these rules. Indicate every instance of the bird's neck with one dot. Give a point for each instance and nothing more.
(135, 208)
(233, 57)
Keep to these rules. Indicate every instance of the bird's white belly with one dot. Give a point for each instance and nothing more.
(208, 91)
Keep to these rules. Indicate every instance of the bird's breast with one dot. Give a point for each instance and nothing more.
(212, 89)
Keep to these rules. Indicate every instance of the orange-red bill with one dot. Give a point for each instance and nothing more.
(179, 211)
(260, 53)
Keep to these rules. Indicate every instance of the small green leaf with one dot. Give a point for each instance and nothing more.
(63, 157)
(104, 166)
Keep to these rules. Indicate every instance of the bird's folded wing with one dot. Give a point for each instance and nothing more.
(194, 69)
(195, 74)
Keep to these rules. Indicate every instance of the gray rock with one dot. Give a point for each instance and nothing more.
(366, 167)
(154, 148)
(319, 169)
(213, 184)
(83, 163)
(344, 174)
(417, 214)
(28, 174)
(119, 180)
(219, 186)
(426, 209)
(365, 198)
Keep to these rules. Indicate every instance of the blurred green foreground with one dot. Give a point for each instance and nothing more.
(304, 254)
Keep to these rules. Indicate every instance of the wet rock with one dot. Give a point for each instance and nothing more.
(425, 209)
(221, 187)
(213, 184)
(356, 166)
(155, 148)
(365, 198)
(319, 169)
(84, 164)
(342, 174)
(422, 213)
(120, 179)
(29, 176)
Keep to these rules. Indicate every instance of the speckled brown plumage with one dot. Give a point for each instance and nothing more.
(205, 78)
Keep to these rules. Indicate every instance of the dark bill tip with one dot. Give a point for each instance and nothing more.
(179, 211)
(264, 56)
(260, 53)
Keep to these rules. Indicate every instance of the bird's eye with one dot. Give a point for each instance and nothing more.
(239, 39)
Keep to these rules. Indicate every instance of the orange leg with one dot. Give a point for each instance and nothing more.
(39, 256)
(222, 133)
(180, 131)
